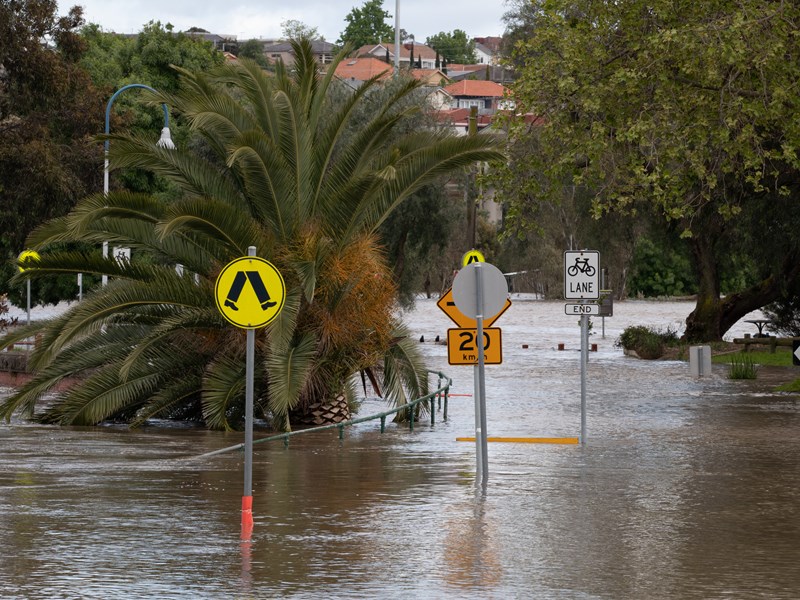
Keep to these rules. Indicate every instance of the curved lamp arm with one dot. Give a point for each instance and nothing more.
(164, 142)
(166, 137)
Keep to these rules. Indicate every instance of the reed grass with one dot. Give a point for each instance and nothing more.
(742, 367)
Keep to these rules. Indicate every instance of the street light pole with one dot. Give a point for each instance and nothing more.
(164, 142)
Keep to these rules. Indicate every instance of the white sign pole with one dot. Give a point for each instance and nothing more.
(486, 298)
(584, 360)
(476, 386)
(28, 322)
(247, 497)
(480, 434)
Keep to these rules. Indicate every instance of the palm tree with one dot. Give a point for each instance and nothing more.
(272, 165)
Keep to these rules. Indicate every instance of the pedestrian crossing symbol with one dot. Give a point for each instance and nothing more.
(250, 292)
(471, 257)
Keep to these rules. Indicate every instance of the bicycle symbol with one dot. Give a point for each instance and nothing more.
(581, 266)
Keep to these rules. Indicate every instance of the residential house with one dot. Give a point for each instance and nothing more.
(489, 46)
(484, 54)
(424, 56)
(486, 95)
(355, 71)
(282, 51)
(221, 42)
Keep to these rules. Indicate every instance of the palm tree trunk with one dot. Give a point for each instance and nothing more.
(326, 412)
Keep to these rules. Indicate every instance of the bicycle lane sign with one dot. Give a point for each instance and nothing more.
(581, 274)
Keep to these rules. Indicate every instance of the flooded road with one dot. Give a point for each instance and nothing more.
(687, 488)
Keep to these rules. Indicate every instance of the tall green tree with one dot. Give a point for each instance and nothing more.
(455, 46)
(680, 108)
(367, 25)
(271, 169)
(292, 29)
(254, 50)
(49, 110)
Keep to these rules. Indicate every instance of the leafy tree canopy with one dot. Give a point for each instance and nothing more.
(293, 29)
(49, 110)
(682, 108)
(456, 46)
(367, 25)
(254, 50)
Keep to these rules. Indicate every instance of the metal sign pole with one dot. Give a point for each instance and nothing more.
(584, 360)
(28, 322)
(484, 449)
(476, 385)
(247, 497)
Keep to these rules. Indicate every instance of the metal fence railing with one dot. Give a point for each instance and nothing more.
(441, 394)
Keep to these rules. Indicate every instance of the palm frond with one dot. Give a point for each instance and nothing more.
(289, 371)
(101, 396)
(172, 395)
(404, 370)
(224, 388)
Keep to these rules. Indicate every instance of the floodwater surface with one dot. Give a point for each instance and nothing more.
(686, 488)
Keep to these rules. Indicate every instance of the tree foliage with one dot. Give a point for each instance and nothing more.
(455, 47)
(683, 109)
(293, 29)
(254, 50)
(49, 110)
(367, 25)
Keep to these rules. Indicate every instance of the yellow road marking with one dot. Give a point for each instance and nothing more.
(524, 440)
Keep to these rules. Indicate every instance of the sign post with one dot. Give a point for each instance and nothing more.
(28, 256)
(582, 282)
(480, 290)
(258, 307)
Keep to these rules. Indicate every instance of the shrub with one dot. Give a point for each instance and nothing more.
(647, 342)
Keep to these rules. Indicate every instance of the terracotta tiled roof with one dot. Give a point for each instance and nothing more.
(433, 76)
(420, 50)
(476, 89)
(361, 69)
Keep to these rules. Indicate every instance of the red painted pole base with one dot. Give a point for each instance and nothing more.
(247, 517)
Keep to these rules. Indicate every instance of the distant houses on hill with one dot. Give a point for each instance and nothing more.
(453, 89)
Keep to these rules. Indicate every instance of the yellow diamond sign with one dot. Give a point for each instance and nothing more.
(250, 292)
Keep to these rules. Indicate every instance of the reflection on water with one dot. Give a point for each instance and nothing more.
(688, 488)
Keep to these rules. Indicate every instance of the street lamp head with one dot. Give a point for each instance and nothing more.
(166, 140)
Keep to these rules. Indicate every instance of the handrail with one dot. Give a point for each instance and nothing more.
(441, 392)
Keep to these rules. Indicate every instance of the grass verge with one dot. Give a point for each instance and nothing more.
(781, 358)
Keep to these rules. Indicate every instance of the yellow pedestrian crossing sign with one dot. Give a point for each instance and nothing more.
(471, 257)
(250, 292)
(27, 257)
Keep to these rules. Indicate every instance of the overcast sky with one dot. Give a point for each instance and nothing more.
(247, 19)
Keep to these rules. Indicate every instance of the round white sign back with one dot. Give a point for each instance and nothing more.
(494, 288)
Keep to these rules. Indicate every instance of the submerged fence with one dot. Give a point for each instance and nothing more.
(441, 394)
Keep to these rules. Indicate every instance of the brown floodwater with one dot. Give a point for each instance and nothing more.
(686, 488)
